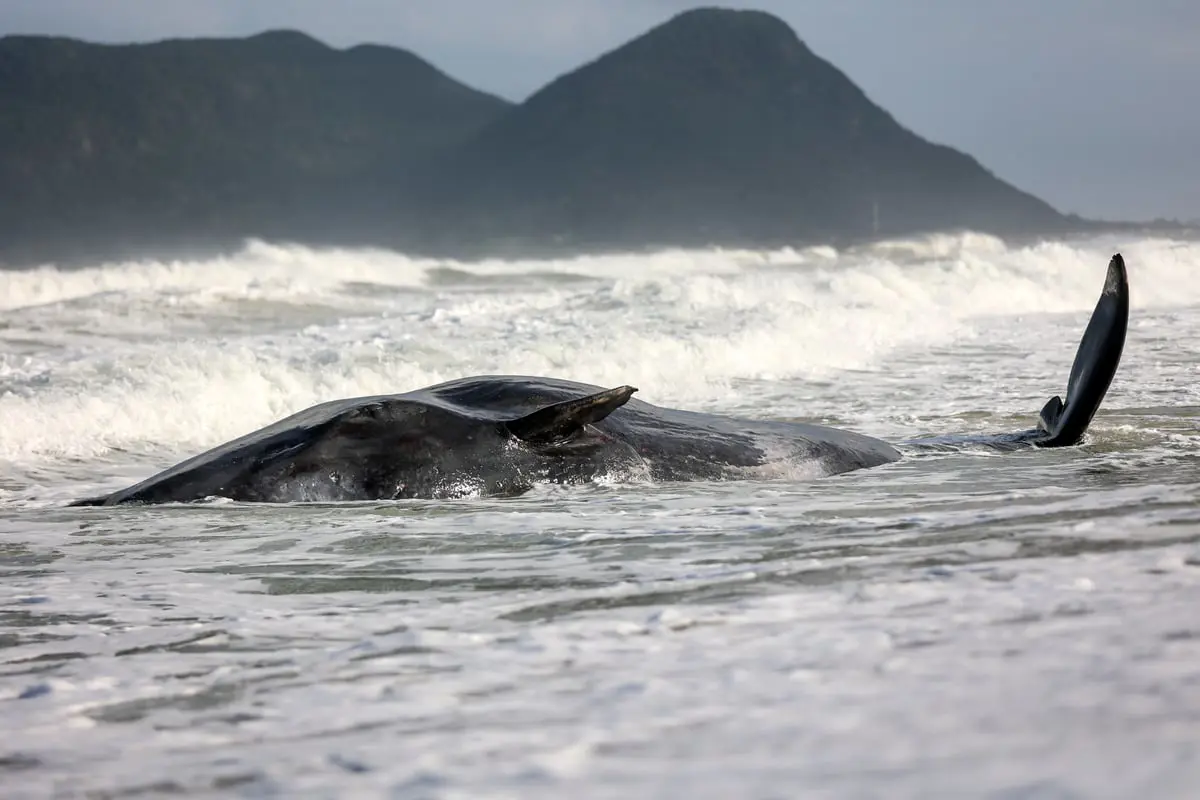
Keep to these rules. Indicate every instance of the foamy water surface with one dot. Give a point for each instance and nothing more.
(961, 624)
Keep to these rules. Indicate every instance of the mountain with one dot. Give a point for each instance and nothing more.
(133, 147)
(717, 126)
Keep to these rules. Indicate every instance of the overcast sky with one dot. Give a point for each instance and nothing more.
(1094, 105)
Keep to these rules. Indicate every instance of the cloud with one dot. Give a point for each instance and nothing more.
(112, 21)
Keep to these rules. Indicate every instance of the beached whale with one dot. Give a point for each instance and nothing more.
(503, 435)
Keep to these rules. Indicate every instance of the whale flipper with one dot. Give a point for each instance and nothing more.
(1096, 360)
(1063, 424)
(1048, 419)
(562, 420)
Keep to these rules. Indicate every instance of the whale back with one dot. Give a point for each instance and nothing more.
(496, 432)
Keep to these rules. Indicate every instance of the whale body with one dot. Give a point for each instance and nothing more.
(501, 435)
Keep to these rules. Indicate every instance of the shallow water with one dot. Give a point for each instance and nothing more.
(963, 624)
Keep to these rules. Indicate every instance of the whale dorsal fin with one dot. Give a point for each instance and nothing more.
(562, 420)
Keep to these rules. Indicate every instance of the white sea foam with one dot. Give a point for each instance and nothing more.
(943, 623)
(170, 357)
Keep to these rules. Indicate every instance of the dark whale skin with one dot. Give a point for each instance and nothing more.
(452, 439)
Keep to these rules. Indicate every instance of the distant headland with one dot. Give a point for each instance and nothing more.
(717, 127)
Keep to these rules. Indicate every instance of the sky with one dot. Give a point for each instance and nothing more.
(1093, 105)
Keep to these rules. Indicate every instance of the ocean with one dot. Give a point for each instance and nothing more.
(957, 624)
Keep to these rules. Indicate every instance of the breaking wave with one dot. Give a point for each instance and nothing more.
(158, 358)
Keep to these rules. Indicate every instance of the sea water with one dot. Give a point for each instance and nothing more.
(961, 624)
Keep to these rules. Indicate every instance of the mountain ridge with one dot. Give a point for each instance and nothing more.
(716, 127)
(122, 148)
(723, 115)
